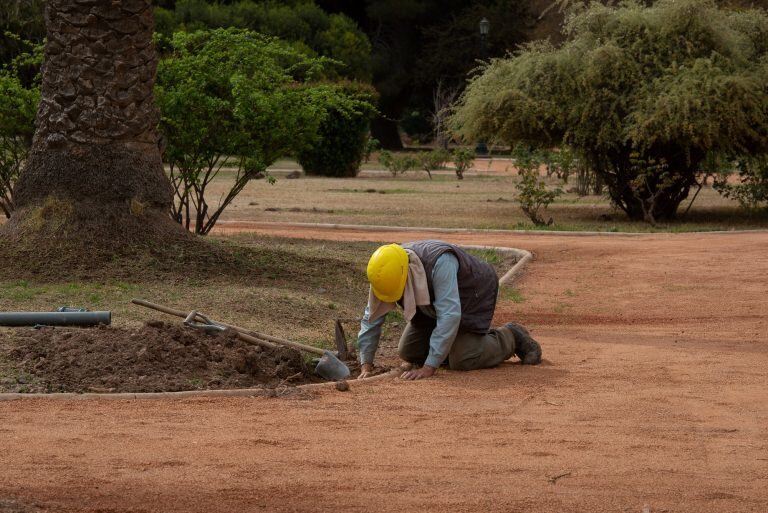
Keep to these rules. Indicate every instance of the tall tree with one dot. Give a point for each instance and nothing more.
(95, 154)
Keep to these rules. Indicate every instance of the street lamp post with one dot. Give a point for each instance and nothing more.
(485, 27)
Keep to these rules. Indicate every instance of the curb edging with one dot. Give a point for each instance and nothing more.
(186, 394)
(523, 257)
(387, 228)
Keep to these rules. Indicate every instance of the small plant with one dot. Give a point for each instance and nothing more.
(588, 181)
(752, 191)
(533, 194)
(397, 164)
(564, 162)
(434, 160)
(463, 158)
(371, 144)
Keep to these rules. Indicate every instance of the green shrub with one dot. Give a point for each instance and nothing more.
(397, 164)
(463, 158)
(671, 82)
(342, 136)
(434, 160)
(21, 23)
(18, 106)
(232, 94)
(533, 194)
(752, 190)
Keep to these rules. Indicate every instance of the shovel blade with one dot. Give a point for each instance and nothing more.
(331, 368)
(341, 341)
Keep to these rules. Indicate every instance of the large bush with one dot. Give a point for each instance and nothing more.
(643, 94)
(342, 135)
(235, 98)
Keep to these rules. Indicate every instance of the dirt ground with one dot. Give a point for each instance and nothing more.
(652, 398)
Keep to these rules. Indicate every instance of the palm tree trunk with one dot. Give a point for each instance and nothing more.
(96, 143)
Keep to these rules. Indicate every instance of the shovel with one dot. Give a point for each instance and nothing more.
(329, 367)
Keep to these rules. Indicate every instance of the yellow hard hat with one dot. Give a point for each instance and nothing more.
(387, 272)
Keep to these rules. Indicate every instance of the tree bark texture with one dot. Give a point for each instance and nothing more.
(96, 139)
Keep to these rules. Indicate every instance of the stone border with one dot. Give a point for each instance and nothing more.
(523, 257)
(189, 394)
(386, 228)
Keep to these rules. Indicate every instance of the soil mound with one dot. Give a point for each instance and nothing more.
(56, 242)
(157, 357)
(138, 248)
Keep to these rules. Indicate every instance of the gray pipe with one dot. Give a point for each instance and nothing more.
(55, 318)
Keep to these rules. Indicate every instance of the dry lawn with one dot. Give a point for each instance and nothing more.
(484, 199)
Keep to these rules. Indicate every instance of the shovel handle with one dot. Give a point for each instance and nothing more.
(250, 336)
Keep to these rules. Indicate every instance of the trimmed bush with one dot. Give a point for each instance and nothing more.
(342, 137)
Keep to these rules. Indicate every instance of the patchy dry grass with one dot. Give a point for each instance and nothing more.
(511, 294)
(484, 199)
(301, 288)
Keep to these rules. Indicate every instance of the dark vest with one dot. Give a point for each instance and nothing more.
(478, 283)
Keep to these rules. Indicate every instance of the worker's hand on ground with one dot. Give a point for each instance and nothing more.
(424, 372)
(366, 371)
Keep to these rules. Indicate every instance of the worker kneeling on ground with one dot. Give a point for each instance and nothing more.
(448, 297)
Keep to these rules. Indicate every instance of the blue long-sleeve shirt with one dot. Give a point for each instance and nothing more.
(446, 309)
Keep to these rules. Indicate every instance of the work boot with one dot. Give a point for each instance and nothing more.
(527, 349)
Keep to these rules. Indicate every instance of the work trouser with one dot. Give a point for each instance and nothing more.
(469, 350)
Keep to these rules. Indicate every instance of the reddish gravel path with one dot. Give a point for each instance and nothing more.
(653, 396)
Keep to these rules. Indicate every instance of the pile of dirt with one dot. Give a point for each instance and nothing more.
(157, 357)
(55, 242)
